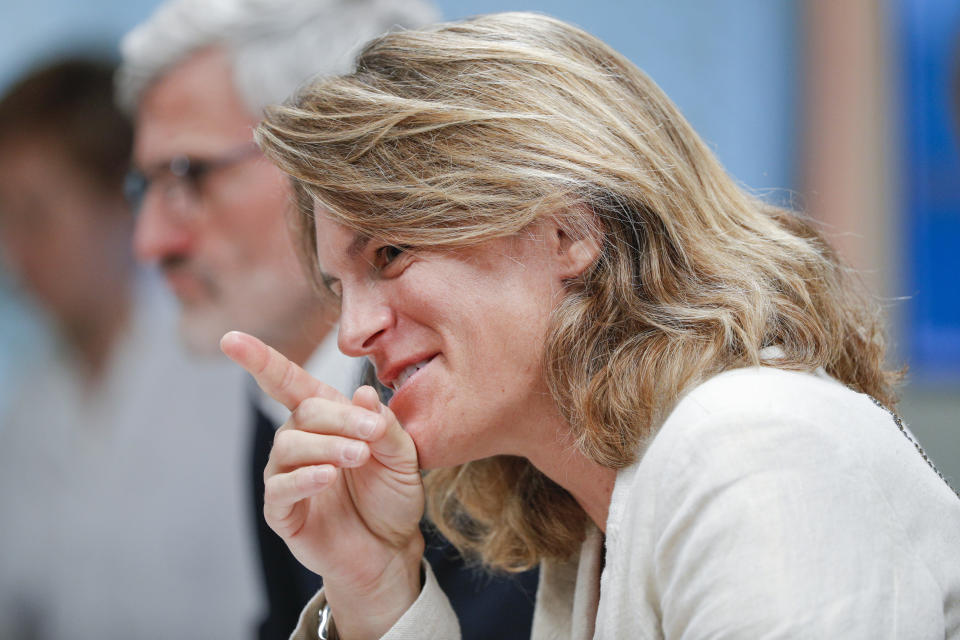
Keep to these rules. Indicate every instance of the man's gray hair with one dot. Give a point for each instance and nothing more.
(274, 45)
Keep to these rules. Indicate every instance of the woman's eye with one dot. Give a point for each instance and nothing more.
(388, 253)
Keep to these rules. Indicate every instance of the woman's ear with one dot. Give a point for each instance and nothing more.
(574, 247)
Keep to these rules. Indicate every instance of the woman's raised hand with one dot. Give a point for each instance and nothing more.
(343, 490)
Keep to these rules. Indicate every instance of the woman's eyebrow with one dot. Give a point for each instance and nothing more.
(354, 249)
(360, 242)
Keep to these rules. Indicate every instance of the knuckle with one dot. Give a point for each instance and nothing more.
(260, 362)
(348, 420)
(287, 376)
(284, 444)
(301, 480)
(307, 411)
(270, 490)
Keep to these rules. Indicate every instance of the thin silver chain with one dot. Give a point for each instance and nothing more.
(906, 434)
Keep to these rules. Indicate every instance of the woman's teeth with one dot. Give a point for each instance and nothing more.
(406, 373)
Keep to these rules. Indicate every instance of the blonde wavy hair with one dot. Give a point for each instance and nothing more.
(458, 133)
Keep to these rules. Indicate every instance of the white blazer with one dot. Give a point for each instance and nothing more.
(770, 504)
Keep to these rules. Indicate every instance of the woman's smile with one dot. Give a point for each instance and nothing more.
(457, 335)
(396, 381)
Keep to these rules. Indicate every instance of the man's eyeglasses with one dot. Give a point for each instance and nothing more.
(181, 180)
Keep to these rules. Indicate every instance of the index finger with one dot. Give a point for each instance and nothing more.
(279, 378)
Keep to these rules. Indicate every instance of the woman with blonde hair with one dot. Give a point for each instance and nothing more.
(613, 361)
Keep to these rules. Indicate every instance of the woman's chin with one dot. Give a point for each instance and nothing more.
(434, 451)
(428, 456)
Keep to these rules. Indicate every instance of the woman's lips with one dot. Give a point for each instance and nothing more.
(409, 372)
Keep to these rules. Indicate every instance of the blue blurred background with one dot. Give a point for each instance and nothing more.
(842, 109)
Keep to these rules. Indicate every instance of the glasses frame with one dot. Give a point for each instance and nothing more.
(182, 176)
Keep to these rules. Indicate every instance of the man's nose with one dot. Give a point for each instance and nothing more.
(158, 232)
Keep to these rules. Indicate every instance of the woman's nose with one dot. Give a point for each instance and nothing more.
(364, 318)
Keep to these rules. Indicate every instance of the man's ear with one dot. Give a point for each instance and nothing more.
(575, 247)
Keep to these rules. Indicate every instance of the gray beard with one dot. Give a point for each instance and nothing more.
(265, 304)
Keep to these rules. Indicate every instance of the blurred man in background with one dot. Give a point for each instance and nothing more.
(63, 220)
(119, 505)
(212, 214)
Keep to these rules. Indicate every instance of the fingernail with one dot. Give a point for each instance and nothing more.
(366, 425)
(322, 475)
(353, 451)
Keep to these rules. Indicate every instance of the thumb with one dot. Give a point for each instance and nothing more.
(395, 448)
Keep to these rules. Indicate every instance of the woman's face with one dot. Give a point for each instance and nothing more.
(458, 335)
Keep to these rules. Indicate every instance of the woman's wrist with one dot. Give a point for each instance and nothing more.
(369, 612)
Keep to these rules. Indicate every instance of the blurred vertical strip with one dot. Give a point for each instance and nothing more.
(846, 144)
(928, 32)
(880, 170)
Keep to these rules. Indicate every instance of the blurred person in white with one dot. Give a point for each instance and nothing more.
(213, 213)
(121, 511)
